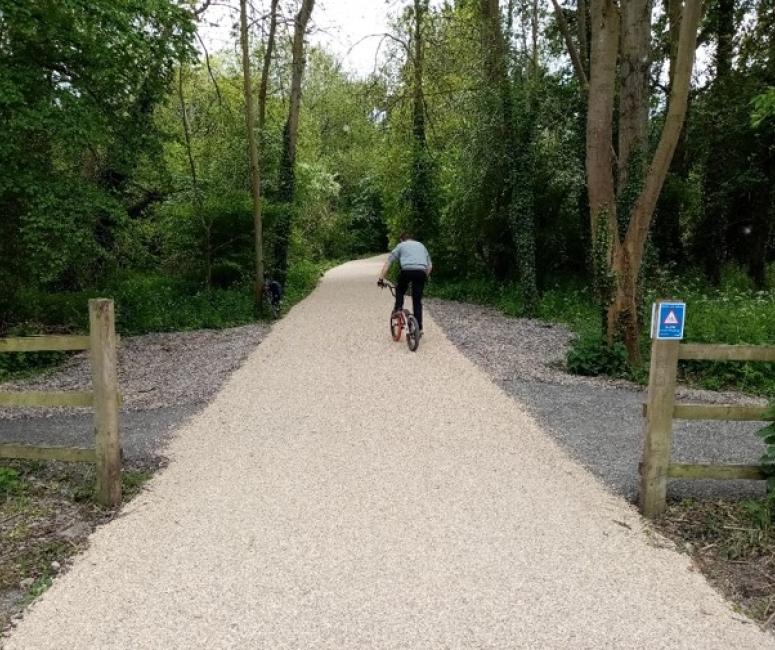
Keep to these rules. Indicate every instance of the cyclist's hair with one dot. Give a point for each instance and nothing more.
(405, 235)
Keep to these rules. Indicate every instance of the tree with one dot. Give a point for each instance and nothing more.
(77, 105)
(621, 215)
(514, 196)
(250, 123)
(290, 140)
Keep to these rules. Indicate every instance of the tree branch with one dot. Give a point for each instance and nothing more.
(262, 90)
(643, 210)
(578, 66)
(211, 75)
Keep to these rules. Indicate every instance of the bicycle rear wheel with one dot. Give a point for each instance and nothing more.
(412, 333)
(396, 326)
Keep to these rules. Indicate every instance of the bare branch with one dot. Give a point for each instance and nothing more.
(203, 8)
(211, 75)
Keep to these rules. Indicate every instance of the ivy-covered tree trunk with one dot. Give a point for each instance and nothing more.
(255, 172)
(713, 248)
(422, 219)
(604, 48)
(515, 198)
(622, 222)
(287, 189)
(763, 231)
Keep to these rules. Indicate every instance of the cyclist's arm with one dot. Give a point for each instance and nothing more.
(386, 266)
(385, 269)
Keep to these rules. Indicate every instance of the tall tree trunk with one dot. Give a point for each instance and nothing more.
(196, 202)
(582, 20)
(422, 195)
(287, 189)
(255, 172)
(604, 47)
(713, 246)
(516, 198)
(534, 38)
(268, 50)
(623, 317)
(667, 222)
(674, 10)
(618, 250)
(763, 231)
(634, 64)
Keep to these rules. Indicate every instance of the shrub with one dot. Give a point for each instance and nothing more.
(10, 483)
(591, 356)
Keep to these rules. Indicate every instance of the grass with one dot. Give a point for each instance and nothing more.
(38, 502)
(734, 313)
(145, 303)
(733, 544)
(158, 303)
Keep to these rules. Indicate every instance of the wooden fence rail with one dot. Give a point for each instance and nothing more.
(104, 398)
(660, 411)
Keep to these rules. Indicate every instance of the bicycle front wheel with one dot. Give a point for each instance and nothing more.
(412, 333)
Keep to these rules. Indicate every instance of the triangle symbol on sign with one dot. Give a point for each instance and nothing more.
(671, 319)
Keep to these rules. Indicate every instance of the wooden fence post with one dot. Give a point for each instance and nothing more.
(659, 427)
(104, 364)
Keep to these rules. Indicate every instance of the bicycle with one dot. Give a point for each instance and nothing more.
(402, 320)
(273, 299)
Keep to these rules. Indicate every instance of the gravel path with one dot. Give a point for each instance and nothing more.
(598, 421)
(164, 378)
(304, 508)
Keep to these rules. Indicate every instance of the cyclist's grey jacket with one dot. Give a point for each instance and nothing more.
(411, 256)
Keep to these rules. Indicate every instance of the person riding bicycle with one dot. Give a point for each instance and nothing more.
(416, 267)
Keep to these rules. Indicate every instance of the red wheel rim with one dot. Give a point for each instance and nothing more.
(396, 327)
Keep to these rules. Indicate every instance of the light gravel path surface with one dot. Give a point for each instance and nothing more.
(598, 421)
(342, 492)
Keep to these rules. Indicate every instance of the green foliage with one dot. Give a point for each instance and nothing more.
(767, 434)
(76, 105)
(592, 356)
(10, 482)
(147, 303)
(303, 277)
(763, 107)
(734, 313)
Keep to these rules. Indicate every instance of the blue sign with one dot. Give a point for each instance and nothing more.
(668, 320)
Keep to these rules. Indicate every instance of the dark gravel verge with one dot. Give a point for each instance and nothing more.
(164, 379)
(599, 422)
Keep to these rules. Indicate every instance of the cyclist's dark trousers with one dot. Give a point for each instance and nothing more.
(417, 280)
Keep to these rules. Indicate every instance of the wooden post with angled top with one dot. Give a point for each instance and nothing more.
(659, 427)
(104, 366)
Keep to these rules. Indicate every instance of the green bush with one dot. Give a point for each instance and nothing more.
(303, 277)
(591, 356)
(18, 364)
(10, 483)
(734, 313)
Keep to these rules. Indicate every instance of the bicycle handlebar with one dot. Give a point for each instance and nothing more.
(387, 283)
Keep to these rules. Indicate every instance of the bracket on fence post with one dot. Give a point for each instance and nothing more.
(104, 366)
(659, 427)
